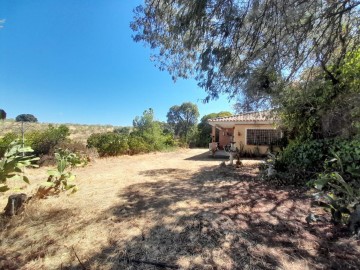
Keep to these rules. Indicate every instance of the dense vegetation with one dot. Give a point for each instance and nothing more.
(300, 58)
(204, 129)
(146, 135)
(322, 120)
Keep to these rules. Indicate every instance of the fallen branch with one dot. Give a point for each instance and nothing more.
(157, 264)
(82, 265)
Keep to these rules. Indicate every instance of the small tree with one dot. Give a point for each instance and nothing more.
(25, 118)
(13, 162)
(183, 118)
(204, 129)
(149, 130)
(2, 114)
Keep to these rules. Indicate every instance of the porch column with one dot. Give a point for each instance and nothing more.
(213, 137)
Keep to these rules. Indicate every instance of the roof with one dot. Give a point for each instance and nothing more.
(246, 117)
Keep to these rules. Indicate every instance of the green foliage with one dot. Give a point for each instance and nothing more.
(26, 118)
(235, 47)
(338, 195)
(123, 130)
(2, 114)
(350, 71)
(183, 119)
(147, 135)
(44, 141)
(108, 144)
(204, 129)
(11, 165)
(323, 103)
(154, 133)
(137, 145)
(304, 160)
(61, 178)
(5, 142)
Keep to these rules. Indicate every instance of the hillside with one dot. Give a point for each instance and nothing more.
(78, 132)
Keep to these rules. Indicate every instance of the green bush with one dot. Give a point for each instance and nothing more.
(339, 187)
(304, 160)
(109, 144)
(61, 178)
(137, 145)
(15, 159)
(349, 154)
(5, 142)
(43, 142)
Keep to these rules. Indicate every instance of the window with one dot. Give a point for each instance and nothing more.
(262, 136)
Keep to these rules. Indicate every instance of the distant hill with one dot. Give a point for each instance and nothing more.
(78, 132)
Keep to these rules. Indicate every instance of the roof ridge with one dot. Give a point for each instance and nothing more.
(257, 116)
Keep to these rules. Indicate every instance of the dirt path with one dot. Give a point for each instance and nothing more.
(179, 209)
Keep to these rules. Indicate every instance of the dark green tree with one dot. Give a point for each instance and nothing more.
(224, 43)
(204, 129)
(183, 118)
(2, 114)
(26, 118)
(149, 131)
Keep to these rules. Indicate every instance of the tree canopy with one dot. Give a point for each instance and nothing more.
(149, 130)
(205, 129)
(2, 114)
(224, 43)
(183, 118)
(26, 118)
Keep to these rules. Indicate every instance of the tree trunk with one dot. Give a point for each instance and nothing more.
(15, 204)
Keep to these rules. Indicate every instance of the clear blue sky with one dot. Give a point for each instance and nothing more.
(75, 62)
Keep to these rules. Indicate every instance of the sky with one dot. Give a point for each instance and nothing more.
(75, 62)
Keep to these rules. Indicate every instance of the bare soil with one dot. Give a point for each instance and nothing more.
(176, 210)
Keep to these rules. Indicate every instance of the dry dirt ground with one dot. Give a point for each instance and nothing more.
(176, 210)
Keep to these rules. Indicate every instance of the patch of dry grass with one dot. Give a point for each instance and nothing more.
(177, 208)
(78, 132)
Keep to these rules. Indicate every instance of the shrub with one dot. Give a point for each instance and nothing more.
(80, 149)
(169, 140)
(348, 152)
(44, 141)
(108, 144)
(15, 159)
(5, 142)
(61, 178)
(302, 161)
(339, 194)
(137, 145)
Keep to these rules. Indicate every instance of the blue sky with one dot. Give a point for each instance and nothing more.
(75, 62)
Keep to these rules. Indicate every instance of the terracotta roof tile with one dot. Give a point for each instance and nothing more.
(251, 116)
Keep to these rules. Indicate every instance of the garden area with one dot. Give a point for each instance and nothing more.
(183, 211)
(151, 195)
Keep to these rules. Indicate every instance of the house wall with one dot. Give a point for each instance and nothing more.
(225, 136)
(242, 138)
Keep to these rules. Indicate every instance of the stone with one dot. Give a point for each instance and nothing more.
(354, 222)
(15, 204)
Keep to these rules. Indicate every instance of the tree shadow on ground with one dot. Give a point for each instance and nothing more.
(37, 246)
(219, 218)
(207, 156)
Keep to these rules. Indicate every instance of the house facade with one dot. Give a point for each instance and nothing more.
(249, 132)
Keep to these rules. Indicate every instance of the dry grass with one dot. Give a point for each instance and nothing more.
(181, 209)
(78, 132)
